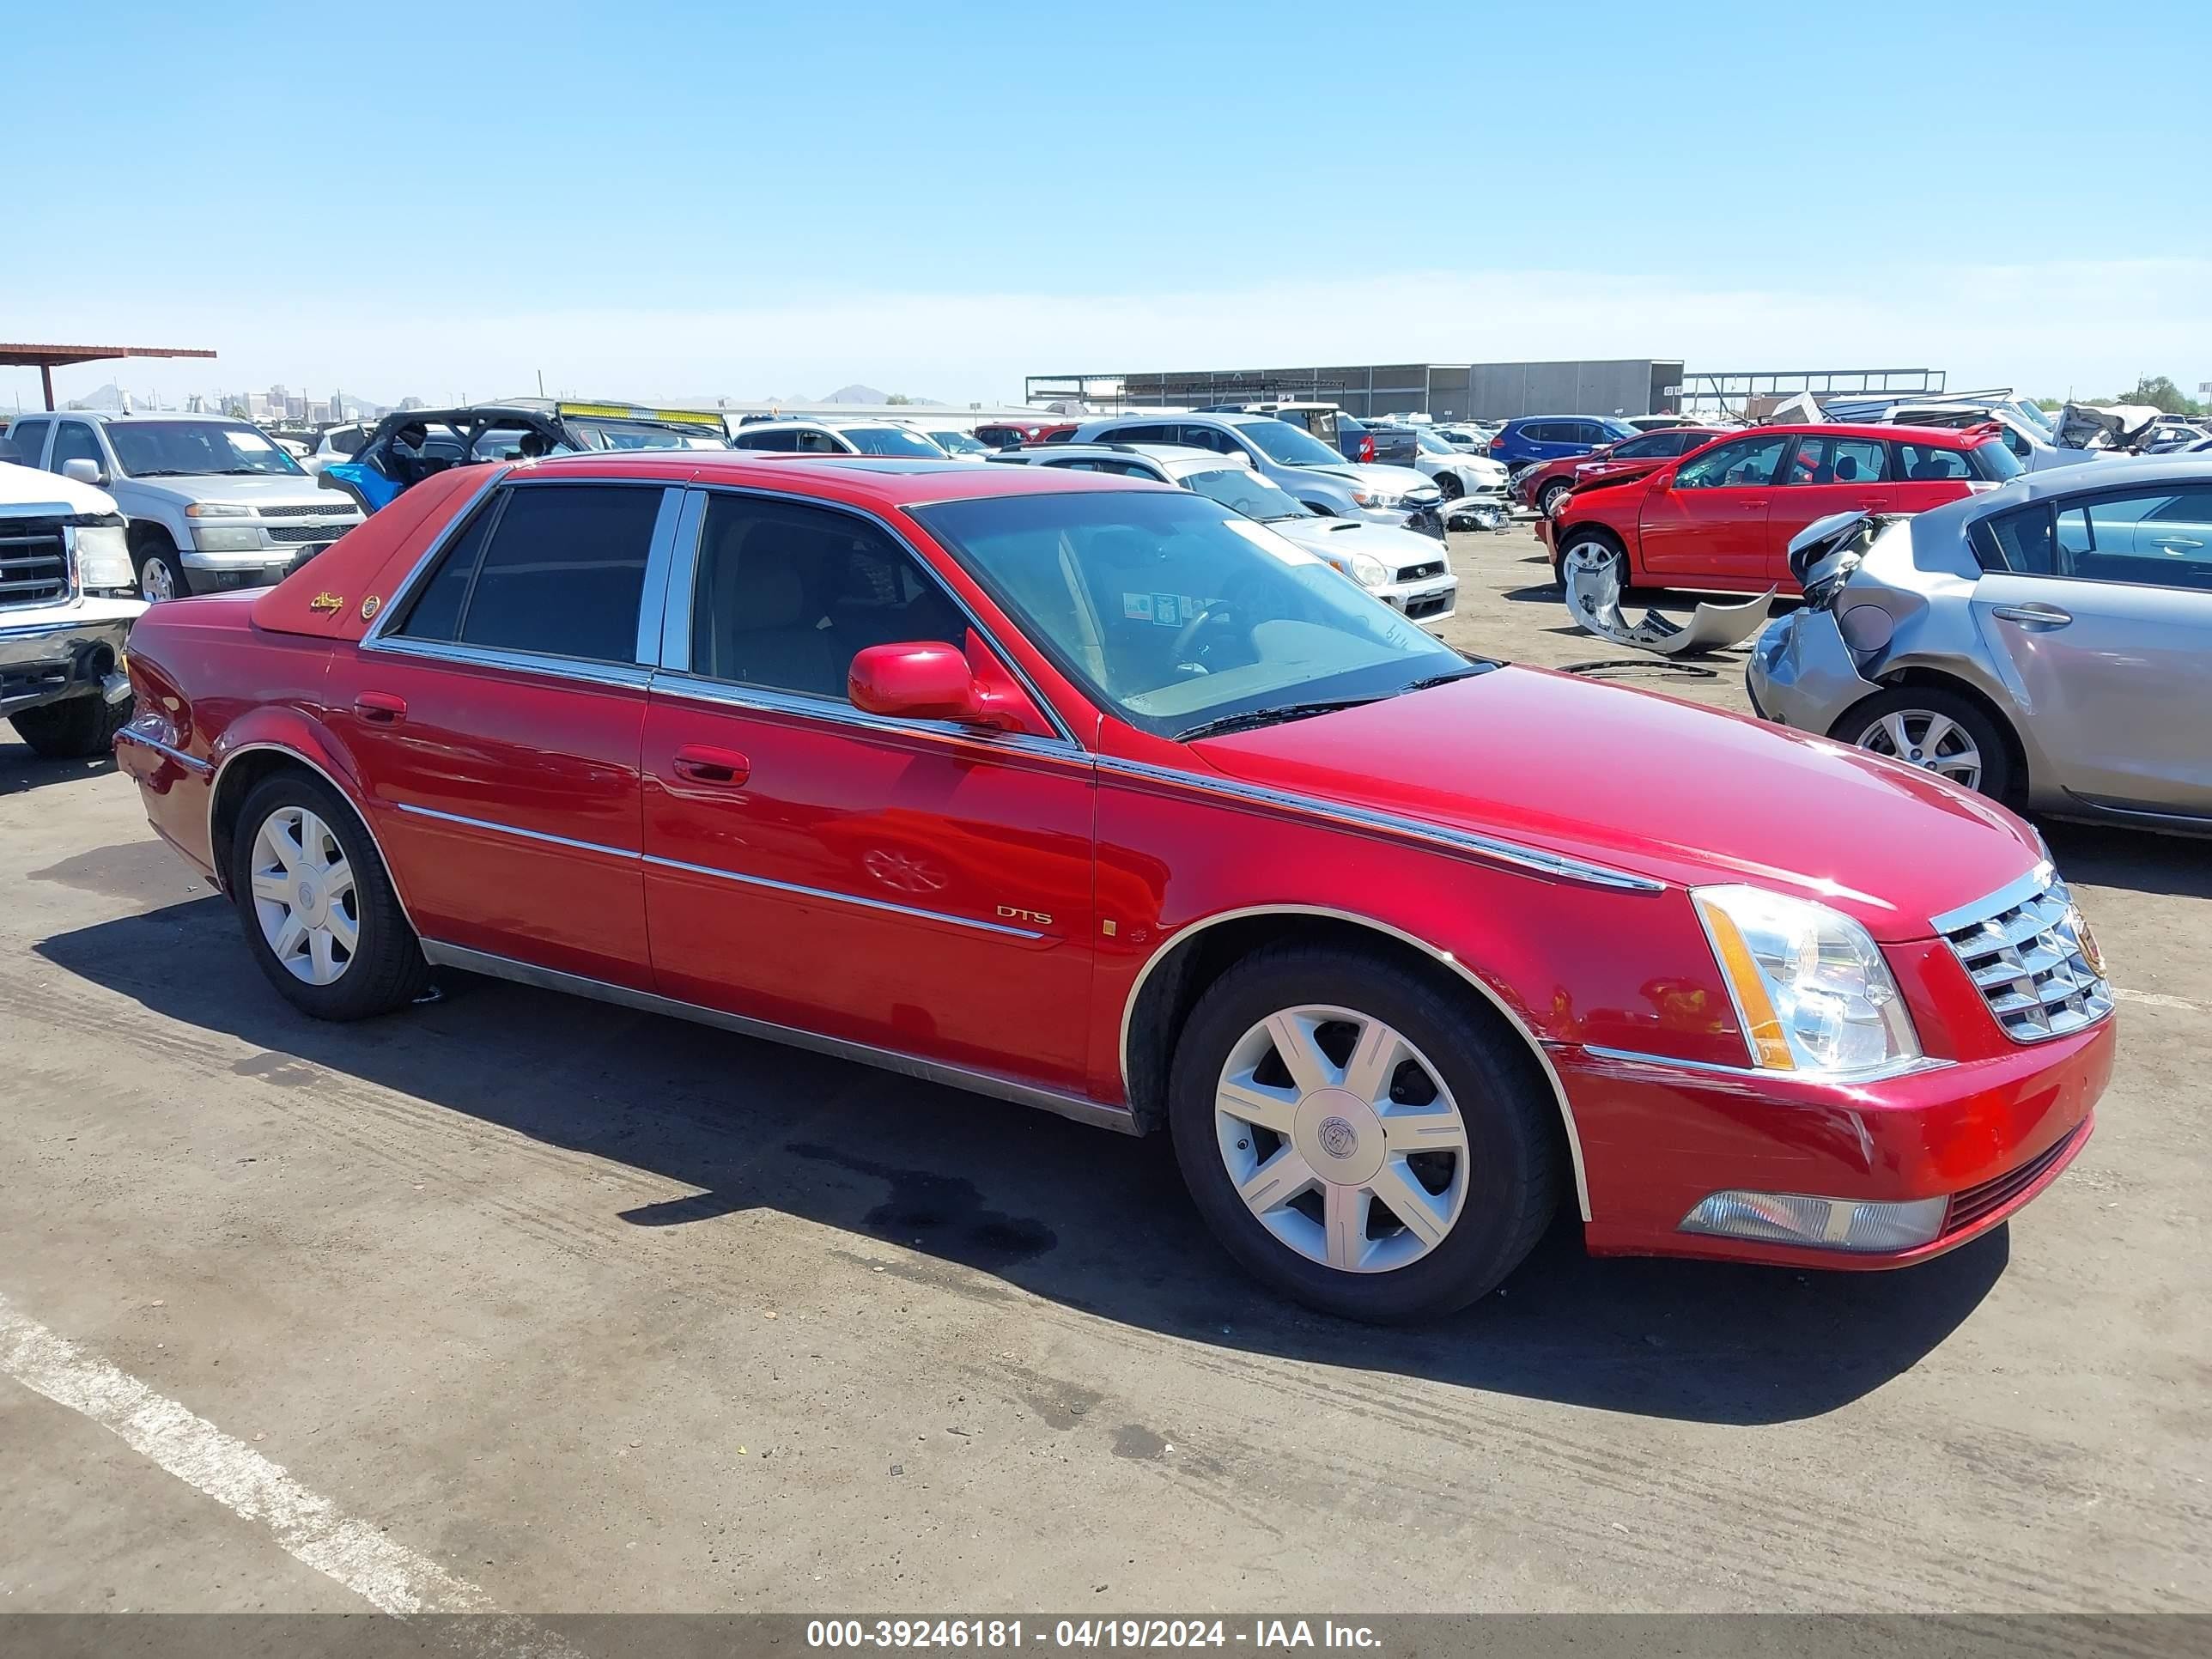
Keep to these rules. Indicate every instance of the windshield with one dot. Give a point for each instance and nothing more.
(643, 434)
(1242, 487)
(1431, 443)
(891, 441)
(1291, 446)
(169, 449)
(1616, 430)
(1174, 611)
(959, 443)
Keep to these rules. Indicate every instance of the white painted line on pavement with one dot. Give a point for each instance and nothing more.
(2156, 999)
(386, 1574)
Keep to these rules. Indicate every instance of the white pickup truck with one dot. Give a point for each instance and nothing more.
(68, 598)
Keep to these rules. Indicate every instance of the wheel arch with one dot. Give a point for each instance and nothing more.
(1173, 978)
(1591, 531)
(244, 766)
(1912, 676)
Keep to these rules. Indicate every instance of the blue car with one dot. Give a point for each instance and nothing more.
(1536, 438)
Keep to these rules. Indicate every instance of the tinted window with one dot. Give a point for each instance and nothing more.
(1139, 435)
(1926, 464)
(1836, 461)
(1210, 437)
(2020, 541)
(561, 574)
(786, 594)
(29, 437)
(74, 441)
(1655, 443)
(1746, 463)
(1995, 460)
(435, 614)
(2158, 537)
(348, 439)
(1544, 431)
(766, 437)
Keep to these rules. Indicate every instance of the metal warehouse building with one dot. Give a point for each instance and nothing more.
(1447, 390)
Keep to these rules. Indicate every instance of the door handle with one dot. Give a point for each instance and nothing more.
(2174, 544)
(381, 706)
(1761, 501)
(702, 763)
(2033, 616)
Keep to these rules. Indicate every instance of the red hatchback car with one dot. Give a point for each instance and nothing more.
(1096, 796)
(1722, 517)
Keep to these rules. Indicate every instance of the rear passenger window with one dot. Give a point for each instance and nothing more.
(2020, 541)
(1837, 460)
(29, 437)
(787, 594)
(557, 571)
(766, 437)
(1923, 464)
(1140, 434)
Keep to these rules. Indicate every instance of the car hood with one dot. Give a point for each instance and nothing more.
(1654, 787)
(1339, 536)
(270, 490)
(1397, 480)
(31, 488)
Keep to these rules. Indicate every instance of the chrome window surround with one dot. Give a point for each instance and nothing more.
(1077, 1107)
(1183, 935)
(1531, 859)
(675, 657)
(633, 856)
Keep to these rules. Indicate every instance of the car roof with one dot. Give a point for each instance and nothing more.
(1232, 417)
(1188, 455)
(118, 415)
(868, 480)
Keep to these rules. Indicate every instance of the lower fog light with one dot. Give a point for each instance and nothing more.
(1826, 1223)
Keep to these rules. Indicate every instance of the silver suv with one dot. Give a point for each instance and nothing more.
(786, 435)
(211, 502)
(1410, 573)
(1312, 473)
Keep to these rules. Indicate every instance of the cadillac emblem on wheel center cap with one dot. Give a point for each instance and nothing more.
(1340, 1135)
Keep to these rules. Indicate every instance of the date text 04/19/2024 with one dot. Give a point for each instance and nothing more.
(1258, 1635)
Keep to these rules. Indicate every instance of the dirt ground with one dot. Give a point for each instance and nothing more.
(519, 1301)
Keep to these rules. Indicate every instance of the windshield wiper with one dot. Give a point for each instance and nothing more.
(160, 472)
(244, 472)
(1252, 717)
(1467, 672)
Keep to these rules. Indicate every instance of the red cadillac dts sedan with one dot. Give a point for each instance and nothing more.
(1092, 795)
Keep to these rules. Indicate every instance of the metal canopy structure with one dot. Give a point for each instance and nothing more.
(46, 358)
(1735, 391)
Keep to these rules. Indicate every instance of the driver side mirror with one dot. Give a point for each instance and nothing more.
(930, 680)
(78, 469)
(1662, 482)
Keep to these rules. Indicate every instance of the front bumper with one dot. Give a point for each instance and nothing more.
(1430, 602)
(254, 567)
(1657, 1137)
(1800, 673)
(66, 655)
(1427, 520)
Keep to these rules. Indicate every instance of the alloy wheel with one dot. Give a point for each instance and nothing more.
(304, 896)
(1593, 575)
(1342, 1139)
(155, 582)
(1932, 741)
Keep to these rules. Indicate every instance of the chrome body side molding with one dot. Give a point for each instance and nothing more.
(1182, 936)
(192, 763)
(1077, 1107)
(1533, 860)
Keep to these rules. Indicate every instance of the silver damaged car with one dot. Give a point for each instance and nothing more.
(2049, 642)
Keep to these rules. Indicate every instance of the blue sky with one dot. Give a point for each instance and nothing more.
(662, 199)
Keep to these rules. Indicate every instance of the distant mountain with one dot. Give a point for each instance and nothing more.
(856, 394)
(108, 397)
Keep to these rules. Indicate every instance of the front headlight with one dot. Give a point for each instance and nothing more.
(217, 510)
(1363, 568)
(103, 556)
(1376, 498)
(1811, 988)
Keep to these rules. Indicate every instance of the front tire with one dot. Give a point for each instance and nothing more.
(77, 728)
(1935, 729)
(1549, 497)
(1450, 483)
(317, 906)
(1357, 1137)
(160, 571)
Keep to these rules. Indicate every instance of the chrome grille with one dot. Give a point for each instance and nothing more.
(321, 510)
(34, 561)
(2030, 955)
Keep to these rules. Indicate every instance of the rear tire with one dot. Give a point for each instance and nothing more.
(384, 968)
(1460, 1110)
(76, 728)
(1937, 731)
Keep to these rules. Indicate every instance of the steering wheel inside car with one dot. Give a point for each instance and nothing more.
(1188, 650)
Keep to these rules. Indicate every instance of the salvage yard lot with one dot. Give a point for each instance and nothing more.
(581, 1309)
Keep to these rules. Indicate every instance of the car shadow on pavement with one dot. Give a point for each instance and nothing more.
(22, 769)
(967, 1196)
(2117, 855)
